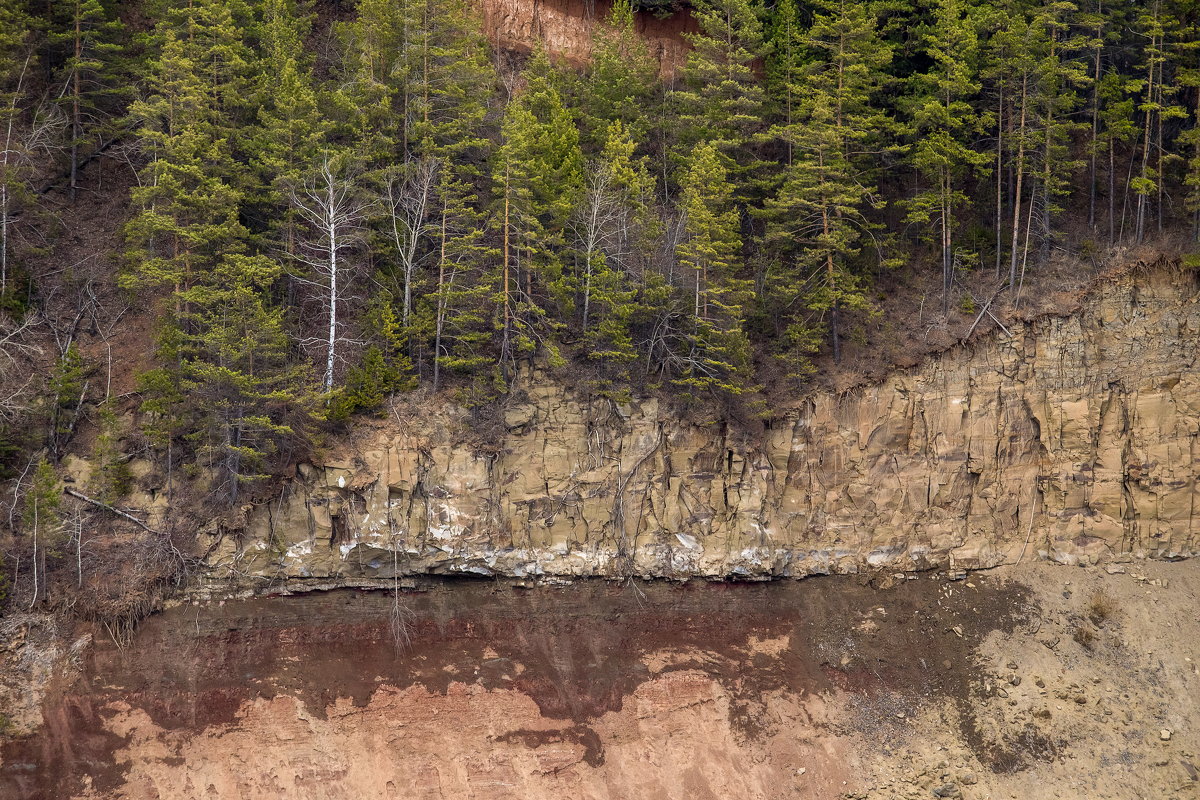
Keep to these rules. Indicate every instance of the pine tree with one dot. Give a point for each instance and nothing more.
(945, 125)
(225, 383)
(721, 100)
(817, 219)
(431, 234)
(15, 61)
(92, 73)
(463, 301)
(1104, 23)
(67, 388)
(1189, 140)
(1155, 26)
(1008, 69)
(1117, 129)
(718, 358)
(451, 83)
(419, 78)
(622, 80)
(42, 521)
(246, 402)
(217, 38)
(1036, 61)
(291, 130)
(1061, 72)
(377, 93)
(189, 206)
(787, 56)
(538, 175)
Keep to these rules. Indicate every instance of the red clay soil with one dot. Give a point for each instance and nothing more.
(581, 654)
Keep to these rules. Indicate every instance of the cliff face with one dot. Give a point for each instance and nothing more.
(565, 28)
(1071, 438)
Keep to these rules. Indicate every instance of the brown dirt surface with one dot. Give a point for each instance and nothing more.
(825, 688)
(911, 327)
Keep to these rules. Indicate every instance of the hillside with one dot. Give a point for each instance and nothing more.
(307, 296)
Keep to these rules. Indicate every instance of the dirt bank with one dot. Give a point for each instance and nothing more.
(1033, 681)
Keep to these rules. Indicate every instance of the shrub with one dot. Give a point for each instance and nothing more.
(370, 383)
(1101, 607)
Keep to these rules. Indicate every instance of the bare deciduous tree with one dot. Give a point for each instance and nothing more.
(330, 202)
(598, 225)
(409, 194)
(16, 383)
(23, 142)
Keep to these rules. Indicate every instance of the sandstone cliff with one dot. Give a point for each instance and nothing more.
(565, 28)
(1070, 438)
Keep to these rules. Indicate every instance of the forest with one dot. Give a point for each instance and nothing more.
(333, 203)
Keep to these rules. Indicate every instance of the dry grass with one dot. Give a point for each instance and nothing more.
(1085, 636)
(1101, 607)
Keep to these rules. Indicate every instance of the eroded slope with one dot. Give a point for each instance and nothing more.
(824, 689)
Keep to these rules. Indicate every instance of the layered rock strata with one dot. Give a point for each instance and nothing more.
(1070, 438)
(566, 27)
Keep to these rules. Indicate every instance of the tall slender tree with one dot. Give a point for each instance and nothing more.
(721, 99)
(817, 220)
(538, 175)
(946, 126)
(613, 227)
(16, 54)
(329, 201)
(92, 75)
(291, 129)
(718, 357)
(1155, 26)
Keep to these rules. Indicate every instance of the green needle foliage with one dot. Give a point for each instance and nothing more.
(716, 228)
(719, 353)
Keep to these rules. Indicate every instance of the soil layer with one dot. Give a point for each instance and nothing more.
(825, 688)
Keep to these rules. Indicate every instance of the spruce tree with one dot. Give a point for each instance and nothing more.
(816, 221)
(538, 175)
(945, 126)
(718, 356)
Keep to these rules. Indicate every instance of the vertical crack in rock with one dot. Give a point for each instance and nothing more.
(1071, 439)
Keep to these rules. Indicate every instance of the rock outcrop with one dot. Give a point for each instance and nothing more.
(565, 28)
(1071, 438)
